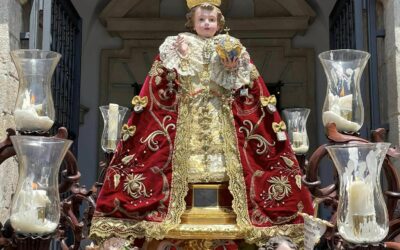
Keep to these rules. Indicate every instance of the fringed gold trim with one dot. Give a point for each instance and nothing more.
(234, 169)
(105, 227)
(179, 182)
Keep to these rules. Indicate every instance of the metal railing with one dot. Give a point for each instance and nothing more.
(353, 25)
(55, 25)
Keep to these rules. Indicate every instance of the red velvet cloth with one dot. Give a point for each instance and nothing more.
(268, 205)
(145, 162)
(268, 166)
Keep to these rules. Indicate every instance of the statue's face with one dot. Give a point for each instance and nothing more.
(206, 22)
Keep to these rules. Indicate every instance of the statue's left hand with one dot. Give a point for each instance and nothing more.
(230, 64)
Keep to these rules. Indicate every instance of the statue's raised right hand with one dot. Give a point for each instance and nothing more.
(181, 45)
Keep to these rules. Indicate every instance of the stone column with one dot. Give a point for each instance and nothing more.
(10, 28)
(392, 61)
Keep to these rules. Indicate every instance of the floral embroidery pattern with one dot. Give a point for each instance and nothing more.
(127, 131)
(134, 186)
(279, 189)
(263, 144)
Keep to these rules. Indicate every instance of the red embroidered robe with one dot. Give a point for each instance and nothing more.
(191, 119)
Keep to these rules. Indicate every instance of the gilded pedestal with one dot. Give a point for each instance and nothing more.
(208, 216)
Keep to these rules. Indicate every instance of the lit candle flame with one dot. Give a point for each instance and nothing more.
(33, 99)
(342, 92)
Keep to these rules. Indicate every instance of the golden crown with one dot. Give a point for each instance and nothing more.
(193, 3)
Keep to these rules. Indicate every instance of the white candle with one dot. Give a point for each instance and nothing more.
(302, 149)
(340, 112)
(341, 123)
(34, 198)
(29, 222)
(31, 217)
(27, 117)
(346, 107)
(299, 144)
(29, 120)
(361, 217)
(360, 198)
(346, 102)
(297, 137)
(113, 120)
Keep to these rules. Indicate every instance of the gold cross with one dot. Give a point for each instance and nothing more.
(227, 30)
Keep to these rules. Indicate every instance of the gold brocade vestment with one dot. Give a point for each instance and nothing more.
(209, 118)
(206, 103)
(206, 91)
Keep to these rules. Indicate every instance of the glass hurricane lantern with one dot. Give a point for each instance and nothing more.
(34, 108)
(362, 216)
(113, 117)
(35, 207)
(296, 120)
(343, 102)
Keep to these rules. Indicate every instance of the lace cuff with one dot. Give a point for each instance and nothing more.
(172, 59)
(232, 79)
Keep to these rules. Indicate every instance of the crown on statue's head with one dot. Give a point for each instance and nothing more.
(193, 3)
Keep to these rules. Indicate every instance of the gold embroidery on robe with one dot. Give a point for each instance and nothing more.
(204, 108)
(156, 69)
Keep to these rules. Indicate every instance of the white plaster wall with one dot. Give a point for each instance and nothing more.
(235, 9)
(317, 37)
(95, 38)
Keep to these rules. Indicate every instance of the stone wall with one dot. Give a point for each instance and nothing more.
(392, 63)
(10, 28)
